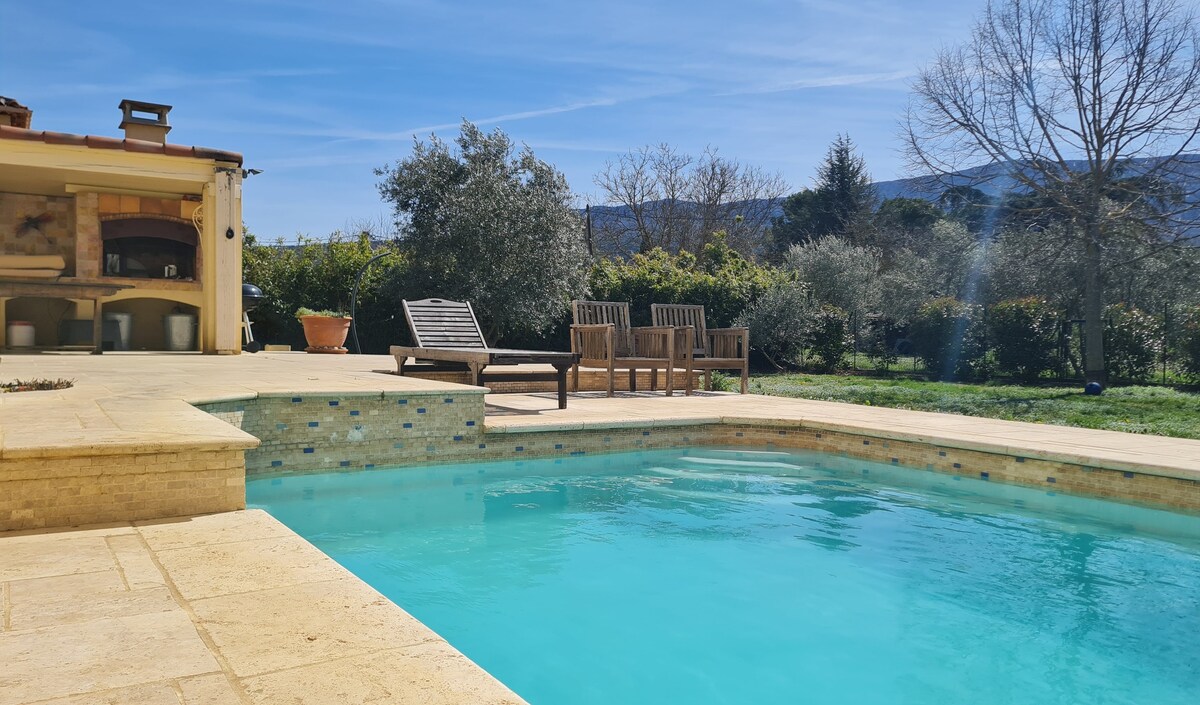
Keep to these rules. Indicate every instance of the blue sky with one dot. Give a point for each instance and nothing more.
(317, 93)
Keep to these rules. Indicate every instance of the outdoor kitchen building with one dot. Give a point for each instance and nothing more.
(146, 232)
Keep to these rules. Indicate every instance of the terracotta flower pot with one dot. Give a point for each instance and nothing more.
(326, 334)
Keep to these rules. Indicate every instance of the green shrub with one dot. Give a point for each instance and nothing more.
(779, 323)
(1189, 345)
(319, 276)
(1133, 342)
(1024, 336)
(879, 336)
(947, 335)
(720, 279)
(828, 338)
(325, 313)
(724, 382)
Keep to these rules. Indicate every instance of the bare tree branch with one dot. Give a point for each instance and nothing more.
(675, 201)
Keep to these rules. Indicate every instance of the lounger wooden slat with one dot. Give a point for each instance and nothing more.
(447, 332)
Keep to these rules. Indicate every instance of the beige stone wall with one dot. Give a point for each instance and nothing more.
(110, 204)
(55, 237)
(306, 433)
(50, 492)
(88, 248)
(1052, 476)
(314, 434)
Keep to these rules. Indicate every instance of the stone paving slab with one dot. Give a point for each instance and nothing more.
(228, 608)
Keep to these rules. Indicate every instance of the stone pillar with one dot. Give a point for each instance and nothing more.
(225, 258)
(89, 249)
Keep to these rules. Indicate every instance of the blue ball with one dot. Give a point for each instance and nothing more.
(1093, 388)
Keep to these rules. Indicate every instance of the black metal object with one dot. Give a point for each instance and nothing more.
(354, 299)
(252, 296)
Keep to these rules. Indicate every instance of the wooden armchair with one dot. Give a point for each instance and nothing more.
(603, 338)
(715, 348)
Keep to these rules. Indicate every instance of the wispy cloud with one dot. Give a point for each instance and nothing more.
(853, 79)
(173, 80)
(344, 133)
(499, 119)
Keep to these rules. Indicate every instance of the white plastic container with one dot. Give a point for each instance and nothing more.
(21, 334)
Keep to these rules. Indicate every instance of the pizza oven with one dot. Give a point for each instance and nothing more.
(149, 248)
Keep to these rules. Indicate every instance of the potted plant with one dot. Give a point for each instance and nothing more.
(325, 331)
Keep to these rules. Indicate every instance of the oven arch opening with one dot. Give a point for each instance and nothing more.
(149, 247)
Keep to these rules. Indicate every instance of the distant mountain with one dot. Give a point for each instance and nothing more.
(992, 179)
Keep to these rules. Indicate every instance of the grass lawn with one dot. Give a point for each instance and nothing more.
(1154, 410)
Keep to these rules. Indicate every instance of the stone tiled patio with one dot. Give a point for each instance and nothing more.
(225, 608)
(235, 608)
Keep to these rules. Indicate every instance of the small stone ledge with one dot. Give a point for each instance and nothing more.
(59, 492)
(1158, 486)
(968, 440)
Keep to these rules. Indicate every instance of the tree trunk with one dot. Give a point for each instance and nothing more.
(1093, 308)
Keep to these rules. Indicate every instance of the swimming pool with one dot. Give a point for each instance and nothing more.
(736, 576)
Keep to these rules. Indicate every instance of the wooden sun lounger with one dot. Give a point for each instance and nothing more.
(447, 332)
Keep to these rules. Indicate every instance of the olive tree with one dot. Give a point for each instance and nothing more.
(1088, 106)
(487, 223)
(838, 273)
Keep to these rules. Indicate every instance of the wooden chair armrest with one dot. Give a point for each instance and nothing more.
(593, 341)
(652, 329)
(724, 342)
(590, 326)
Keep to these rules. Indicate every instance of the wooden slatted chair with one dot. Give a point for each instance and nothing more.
(603, 338)
(715, 348)
(447, 333)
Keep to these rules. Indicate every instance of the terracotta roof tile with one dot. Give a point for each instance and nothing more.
(98, 142)
(101, 142)
(143, 146)
(18, 133)
(181, 150)
(64, 138)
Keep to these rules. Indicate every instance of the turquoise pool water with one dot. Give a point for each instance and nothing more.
(722, 576)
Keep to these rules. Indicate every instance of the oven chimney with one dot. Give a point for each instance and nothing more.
(138, 124)
(13, 114)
